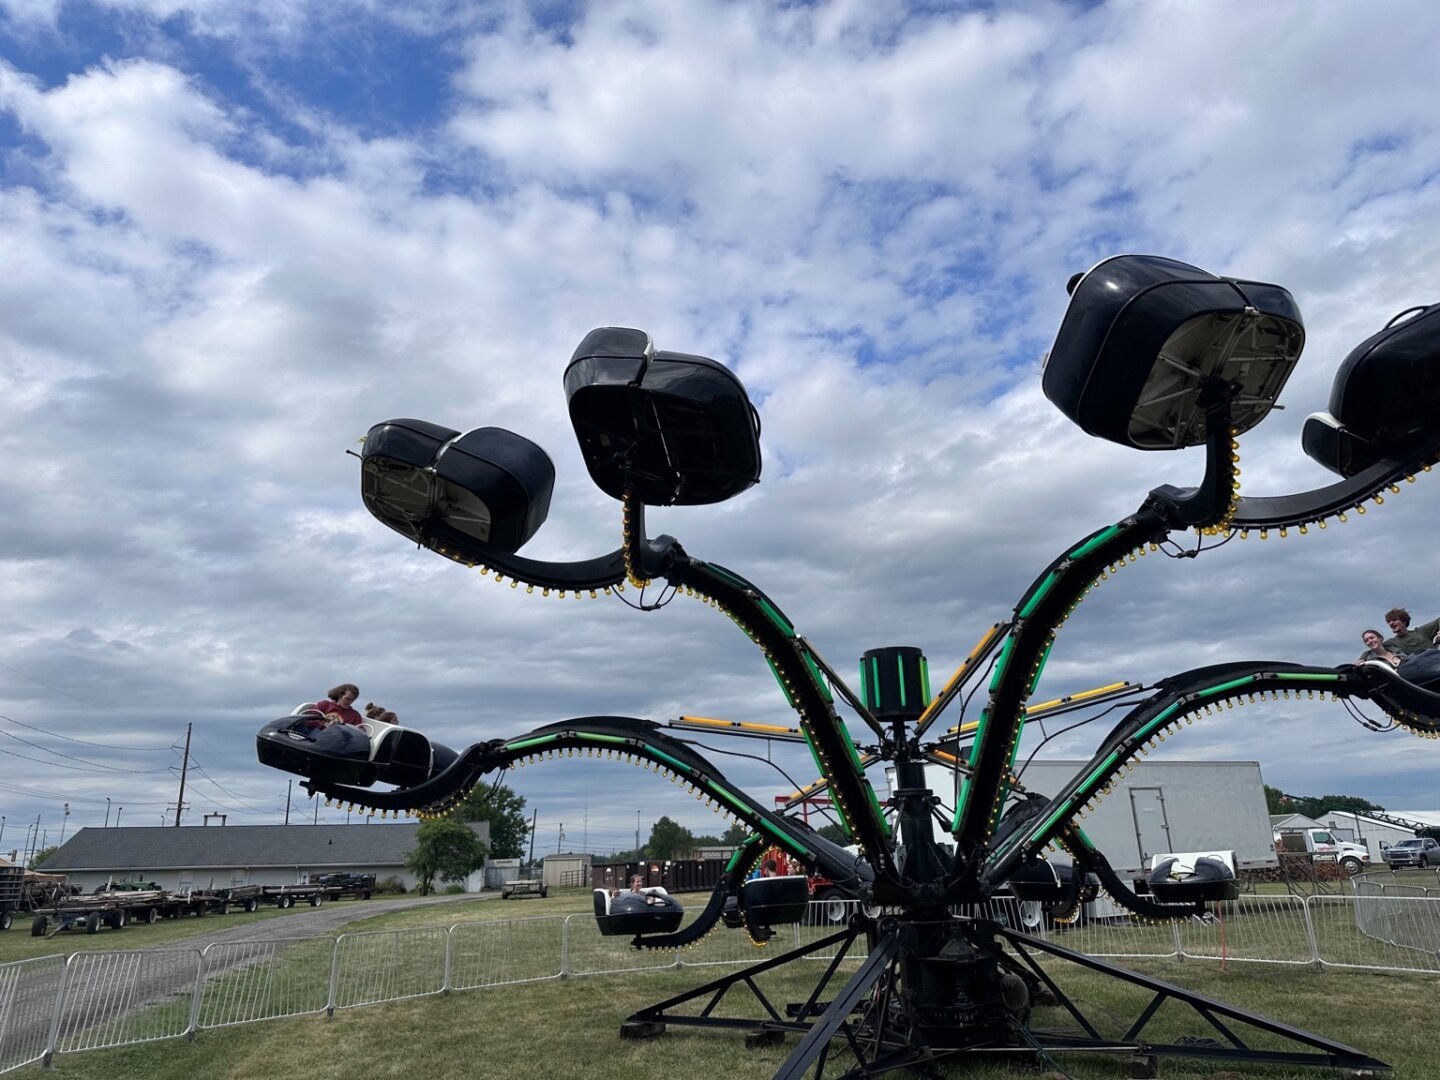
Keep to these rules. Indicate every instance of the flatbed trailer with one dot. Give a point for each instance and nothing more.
(287, 896)
(112, 910)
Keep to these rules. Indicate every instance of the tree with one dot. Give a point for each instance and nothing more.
(834, 833)
(1277, 802)
(505, 811)
(669, 840)
(1313, 806)
(736, 834)
(43, 854)
(444, 848)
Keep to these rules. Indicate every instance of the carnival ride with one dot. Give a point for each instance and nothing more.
(1152, 354)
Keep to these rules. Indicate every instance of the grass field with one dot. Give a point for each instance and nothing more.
(568, 1027)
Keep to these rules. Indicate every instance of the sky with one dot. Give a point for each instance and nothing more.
(234, 235)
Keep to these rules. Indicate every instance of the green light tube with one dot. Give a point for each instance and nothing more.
(750, 811)
(532, 742)
(1107, 763)
(1153, 724)
(1222, 687)
(1001, 662)
(1056, 816)
(925, 680)
(783, 688)
(1094, 542)
(1040, 667)
(775, 617)
(900, 670)
(819, 676)
(677, 766)
(1039, 594)
(960, 800)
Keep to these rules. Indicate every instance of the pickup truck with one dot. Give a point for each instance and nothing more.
(1423, 851)
(1321, 845)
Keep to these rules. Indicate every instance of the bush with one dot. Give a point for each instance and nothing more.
(453, 889)
(392, 885)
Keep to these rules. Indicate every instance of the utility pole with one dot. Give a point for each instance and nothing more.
(637, 835)
(560, 839)
(534, 820)
(107, 811)
(184, 768)
(289, 786)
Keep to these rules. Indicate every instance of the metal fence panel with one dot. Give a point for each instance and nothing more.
(506, 952)
(29, 994)
(1383, 931)
(1253, 929)
(115, 998)
(246, 981)
(588, 952)
(388, 965)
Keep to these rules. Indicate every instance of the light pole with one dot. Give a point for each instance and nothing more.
(637, 835)
(63, 822)
(107, 811)
(117, 815)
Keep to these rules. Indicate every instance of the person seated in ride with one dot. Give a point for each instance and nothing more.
(637, 886)
(378, 712)
(337, 705)
(1407, 641)
(1375, 649)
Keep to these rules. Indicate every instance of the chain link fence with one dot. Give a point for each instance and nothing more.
(59, 1005)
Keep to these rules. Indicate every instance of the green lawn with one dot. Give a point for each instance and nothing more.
(569, 1027)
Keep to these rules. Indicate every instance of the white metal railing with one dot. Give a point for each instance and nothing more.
(262, 980)
(55, 1005)
(29, 990)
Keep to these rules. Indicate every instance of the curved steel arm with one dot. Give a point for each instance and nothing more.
(602, 572)
(805, 689)
(1308, 507)
(1020, 662)
(1182, 696)
(611, 736)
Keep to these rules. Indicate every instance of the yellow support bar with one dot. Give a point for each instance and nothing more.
(1035, 712)
(741, 725)
(866, 760)
(960, 672)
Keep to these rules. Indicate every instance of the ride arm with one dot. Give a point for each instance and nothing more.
(806, 690)
(1202, 689)
(1019, 664)
(640, 741)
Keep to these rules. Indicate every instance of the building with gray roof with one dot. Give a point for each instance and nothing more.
(221, 856)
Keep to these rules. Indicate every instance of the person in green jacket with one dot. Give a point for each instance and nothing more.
(1406, 641)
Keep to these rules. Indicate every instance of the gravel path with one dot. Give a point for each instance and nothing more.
(326, 920)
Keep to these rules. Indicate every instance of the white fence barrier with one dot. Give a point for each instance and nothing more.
(91, 1000)
(29, 990)
(246, 981)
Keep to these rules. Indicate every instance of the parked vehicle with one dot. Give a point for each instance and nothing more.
(1321, 844)
(1422, 851)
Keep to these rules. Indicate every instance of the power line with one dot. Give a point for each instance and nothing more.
(68, 757)
(82, 742)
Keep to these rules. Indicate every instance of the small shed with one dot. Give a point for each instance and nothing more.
(566, 868)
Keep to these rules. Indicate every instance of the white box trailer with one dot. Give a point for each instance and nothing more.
(1169, 806)
(1159, 807)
